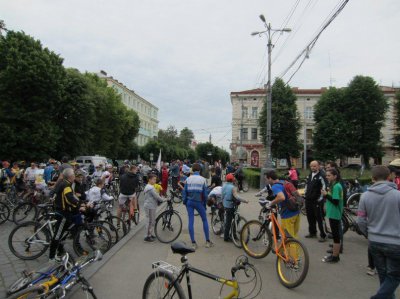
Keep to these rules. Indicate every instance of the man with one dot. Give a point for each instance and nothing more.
(64, 164)
(98, 172)
(31, 173)
(378, 216)
(290, 220)
(239, 175)
(66, 207)
(314, 202)
(145, 172)
(6, 175)
(174, 172)
(128, 184)
(48, 170)
(215, 179)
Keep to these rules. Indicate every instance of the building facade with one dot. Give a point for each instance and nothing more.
(248, 148)
(147, 112)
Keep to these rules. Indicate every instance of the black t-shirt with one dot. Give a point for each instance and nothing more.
(216, 180)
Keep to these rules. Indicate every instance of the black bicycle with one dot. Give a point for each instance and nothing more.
(168, 224)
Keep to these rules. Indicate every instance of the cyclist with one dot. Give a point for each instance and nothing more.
(215, 179)
(31, 173)
(107, 175)
(239, 177)
(98, 172)
(215, 201)
(6, 174)
(66, 206)
(229, 199)
(195, 197)
(128, 184)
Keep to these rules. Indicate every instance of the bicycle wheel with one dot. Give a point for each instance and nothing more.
(122, 229)
(157, 284)
(90, 237)
(4, 213)
(20, 284)
(236, 229)
(345, 223)
(34, 292)
(27, 242)
(217, 224)
(293, 271)
(256, 239)
(126, 220)
(168, 226)
(353, 201)
(25, 211)
(245, 186)
(136, 215)
(112, 229)
(176, 198)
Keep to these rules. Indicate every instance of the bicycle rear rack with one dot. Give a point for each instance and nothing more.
(166, 266)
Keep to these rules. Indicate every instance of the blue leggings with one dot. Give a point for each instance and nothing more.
(192, 205)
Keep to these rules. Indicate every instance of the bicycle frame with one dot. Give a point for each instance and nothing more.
(277, 248)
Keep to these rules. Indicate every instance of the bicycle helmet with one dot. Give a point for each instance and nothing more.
(230, 177)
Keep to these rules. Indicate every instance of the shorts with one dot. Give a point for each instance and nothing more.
(292, 225)
(123, 198)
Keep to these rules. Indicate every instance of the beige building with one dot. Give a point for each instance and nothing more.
(147, 112)
(246, 109)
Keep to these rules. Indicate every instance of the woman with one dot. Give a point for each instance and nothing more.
(334, 210)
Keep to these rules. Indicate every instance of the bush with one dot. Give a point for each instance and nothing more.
(252, 176)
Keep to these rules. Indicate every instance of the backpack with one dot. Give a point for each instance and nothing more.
(294, 199)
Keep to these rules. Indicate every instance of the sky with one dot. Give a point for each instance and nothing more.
(187, 56)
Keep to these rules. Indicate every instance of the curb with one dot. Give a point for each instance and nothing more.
(89, 272)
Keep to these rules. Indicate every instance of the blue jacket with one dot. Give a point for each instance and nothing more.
(227, 195)
(195, 188)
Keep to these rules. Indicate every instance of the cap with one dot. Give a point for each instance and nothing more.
(230, 177)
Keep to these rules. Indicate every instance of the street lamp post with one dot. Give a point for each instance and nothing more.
(268, 87)
(305, 135)
(151, 157)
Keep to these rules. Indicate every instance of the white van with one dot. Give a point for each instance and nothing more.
(85, 161)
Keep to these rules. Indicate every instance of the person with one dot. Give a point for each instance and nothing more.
(107, 175)
(146, 169)
(98, 172)
(218, 169)
(31, 173)
(48, 170)
(96, 193)
(157, 186)
(64, 165)
(378, 216)
(394, 168)
(91, 168)
(229, 168)
(164, 180)
(174, 172)
(229, 198)
(66, 207)
(194, 197)
(128, 184)
(290, 219)
(79, 188)
(5, 175)
(334, 211)
(239, 177)
(216, 196)
(215, 179)
(314, 202)
(151, 200)
(206, 170)
(294, 176)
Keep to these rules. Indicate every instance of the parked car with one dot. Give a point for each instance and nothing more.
(85, 161)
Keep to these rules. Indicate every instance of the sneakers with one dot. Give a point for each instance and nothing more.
(194, 245)
(322, 240)
(149, 239)
(371, 271)
(209, 244)
(331, 259)
(310, 236)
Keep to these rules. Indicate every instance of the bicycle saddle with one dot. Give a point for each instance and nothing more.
(181, 248)
(263, 201)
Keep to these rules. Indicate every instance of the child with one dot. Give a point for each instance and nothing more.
(158, 187)
(151, 200)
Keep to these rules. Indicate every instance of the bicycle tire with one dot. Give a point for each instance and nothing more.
(294, 263)
(29, 293)
(217, 224)
(31, 229)
(25, 211)
(112, 229)
(90, 237)
(168, 226)
(4, 212)
(245, 186)
(176, 198)
(136, 215)
(126, 221)
(345, 223)
(176, 292)
(236, 229)
(123, 230)
(256, 239)
(353, 202)
(19, 284)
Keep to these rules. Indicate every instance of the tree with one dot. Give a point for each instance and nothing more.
(185, 137)
(209, 152)
(331, 136)
(365, 116)
(397, 109)
(285, 122)
(169, 135)
(31, 89)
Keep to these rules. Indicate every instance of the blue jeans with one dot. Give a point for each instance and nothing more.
(387, 262)
(192, 205)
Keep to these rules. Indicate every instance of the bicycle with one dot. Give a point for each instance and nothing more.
(165, 281)
(291, 254)
(237, 224)
(58, 286)
(168, 224)
(176, 196)
(4, 212)
(31, 239)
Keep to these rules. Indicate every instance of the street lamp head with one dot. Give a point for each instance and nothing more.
(262, 18)
(286, 30)
(255, 33)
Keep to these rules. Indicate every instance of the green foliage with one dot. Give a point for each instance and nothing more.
(204, 149)
(285, 122)
(185, 137)
(252, 176)
(169, 135)
(46, 110)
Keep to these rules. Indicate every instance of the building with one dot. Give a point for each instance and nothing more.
(247, 106)
(147, 112)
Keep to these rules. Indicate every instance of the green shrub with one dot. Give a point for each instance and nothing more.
(252, 176)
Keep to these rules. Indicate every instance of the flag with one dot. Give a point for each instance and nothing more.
(158, 165)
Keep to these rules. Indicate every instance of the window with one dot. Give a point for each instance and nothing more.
(244, 134)
(309, 113)
(254, 112)
(245, 112)
(309, 136)
(254, 134)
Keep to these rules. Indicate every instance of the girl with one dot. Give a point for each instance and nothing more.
(334, 210)
(151, 200)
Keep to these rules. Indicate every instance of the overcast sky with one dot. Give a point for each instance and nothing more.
(187, 56)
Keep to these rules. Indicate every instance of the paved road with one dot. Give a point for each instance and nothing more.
(124, 274)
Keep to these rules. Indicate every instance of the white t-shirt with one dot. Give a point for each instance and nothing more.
(31, 173)
(106, 176)
(216, 191)
(94, 195)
